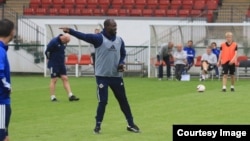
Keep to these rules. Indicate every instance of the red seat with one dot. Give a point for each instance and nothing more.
(129, 4)
(172, 13)
(98, 12)
(152, 4)
(85, 59)
(104, 4)
(71, 11)
(136, 12)
(41, 11)
(53, 11)
(248, 13)
(210, 16)
(63, 12)
(80, 3)
(112, 12)
(92, 3)
(140, 4)
(46, 3)
(160, 12)
(195, 13)
(58, 3)
(117, 4)
(72, 59)
(35, 3)
(176, 4)
(124, 12)
(29, 11)
(78, 12)
(87, 12)
(198, 61)
(239, 59)
(212, 5)
(199, 5)
(163, 4)
(69, 3)
(184, 13)
(147, 12)
(187, 4)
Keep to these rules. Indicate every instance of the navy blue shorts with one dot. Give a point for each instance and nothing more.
(57, 71)
(5, 113)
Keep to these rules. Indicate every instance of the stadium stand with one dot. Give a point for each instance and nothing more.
(146, 8)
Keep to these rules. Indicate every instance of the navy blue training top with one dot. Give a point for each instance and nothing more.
(4, 73)
(55, 52)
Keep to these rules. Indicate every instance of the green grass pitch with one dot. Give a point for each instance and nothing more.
(156, 106)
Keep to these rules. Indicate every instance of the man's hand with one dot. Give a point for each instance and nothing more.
(6, 86)
(121, 68)
(231, 62)
(218, 64)
(65, 29)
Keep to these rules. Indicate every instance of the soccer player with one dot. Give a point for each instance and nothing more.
(56, 63)
(216, 51)
(165, 55)
(6, 35)
(208, 61)
(180, 61)
(227, 58)
(190, 54)
(110, 54)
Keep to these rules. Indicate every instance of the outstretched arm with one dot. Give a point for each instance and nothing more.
(95, 39)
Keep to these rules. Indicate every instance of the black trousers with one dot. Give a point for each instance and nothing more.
(168, 67)
(178, 70)
(117, 86)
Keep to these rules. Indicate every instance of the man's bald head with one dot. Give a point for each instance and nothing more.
(179, 47)
(65, 38)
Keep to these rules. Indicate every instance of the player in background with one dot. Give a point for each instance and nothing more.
(6, 35)
(110, 55)
(56, 63)
(180, 61)
(165, 55)
(227, 58)
(216, 51)
(190, 54)
(208, 61)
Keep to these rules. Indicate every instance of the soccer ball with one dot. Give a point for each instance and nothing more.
(201, 88)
